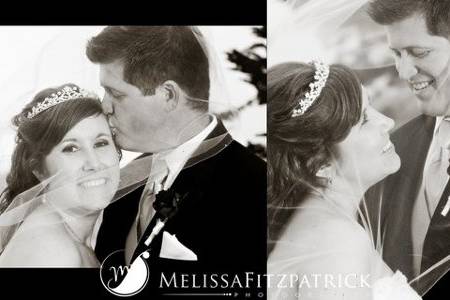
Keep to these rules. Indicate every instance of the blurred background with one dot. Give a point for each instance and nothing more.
(340, 31)
(36, 57)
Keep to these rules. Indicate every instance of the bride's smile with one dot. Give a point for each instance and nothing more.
(86, 157)
(367, 154)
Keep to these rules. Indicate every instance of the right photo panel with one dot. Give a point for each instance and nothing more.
(358, 126)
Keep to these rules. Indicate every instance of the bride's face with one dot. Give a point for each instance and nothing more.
(84, 166)
(367, 155)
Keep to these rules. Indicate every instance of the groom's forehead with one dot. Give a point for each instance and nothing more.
(409, 32)
(111, 72)
(111, 76)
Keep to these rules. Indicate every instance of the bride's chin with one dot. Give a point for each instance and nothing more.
(394, 163)
(391, 165)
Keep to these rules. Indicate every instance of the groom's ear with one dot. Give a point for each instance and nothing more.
(170, 93)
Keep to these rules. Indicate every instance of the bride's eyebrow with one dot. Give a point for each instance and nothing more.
(68, 140)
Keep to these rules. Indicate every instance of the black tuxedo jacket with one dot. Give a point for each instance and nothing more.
(398, 194)
(222, 219)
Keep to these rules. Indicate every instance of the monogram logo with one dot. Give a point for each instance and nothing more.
(122, 280)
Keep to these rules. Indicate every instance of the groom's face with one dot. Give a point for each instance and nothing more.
(138, 121)
(423, 61)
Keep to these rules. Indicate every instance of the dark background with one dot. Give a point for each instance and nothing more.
(85, 283)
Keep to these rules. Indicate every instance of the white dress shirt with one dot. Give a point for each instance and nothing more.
(420, 218)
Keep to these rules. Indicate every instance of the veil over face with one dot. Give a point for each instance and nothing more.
(342, 32)
(76, 196)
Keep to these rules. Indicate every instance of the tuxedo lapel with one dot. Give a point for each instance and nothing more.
(154, 246)
(401, 191)
(436, 246)
(437, 241)
(189, 184)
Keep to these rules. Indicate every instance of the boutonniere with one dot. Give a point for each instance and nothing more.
(166, 202)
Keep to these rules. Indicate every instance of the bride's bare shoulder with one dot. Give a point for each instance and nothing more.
(325, 242)
(40, 245)
(327, 229)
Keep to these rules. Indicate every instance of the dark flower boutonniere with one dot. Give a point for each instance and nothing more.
(166, 203)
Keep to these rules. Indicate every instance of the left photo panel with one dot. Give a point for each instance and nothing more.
(133, 160)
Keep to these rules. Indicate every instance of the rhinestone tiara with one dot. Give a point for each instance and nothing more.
(320, 78)
(65, 94)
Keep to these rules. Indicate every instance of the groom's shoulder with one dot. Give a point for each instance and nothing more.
(237, 166)
(237, 156)
(411, 127)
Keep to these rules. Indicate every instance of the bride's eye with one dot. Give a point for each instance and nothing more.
(101, 143)
(70, 149)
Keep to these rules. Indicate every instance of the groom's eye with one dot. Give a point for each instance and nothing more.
(420, 53)
(118, 97)
(114, 94)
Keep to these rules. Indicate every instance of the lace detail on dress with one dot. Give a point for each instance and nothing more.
(394, 287)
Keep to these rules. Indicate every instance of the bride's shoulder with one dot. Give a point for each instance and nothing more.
(330, 243)
(330, 231)
(342, 229)
(40, 246)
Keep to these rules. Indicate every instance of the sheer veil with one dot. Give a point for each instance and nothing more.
(319, 29)
(55, 196)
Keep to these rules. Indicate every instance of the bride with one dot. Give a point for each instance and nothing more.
(327, 146)
(65, 170)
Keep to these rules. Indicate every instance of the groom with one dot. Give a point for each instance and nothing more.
(415, 208)
(156, 81)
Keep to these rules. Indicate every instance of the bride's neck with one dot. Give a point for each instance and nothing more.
(344, 195)
(81, 226)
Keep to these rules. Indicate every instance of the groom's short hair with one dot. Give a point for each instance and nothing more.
(435, 12)
(154, 54)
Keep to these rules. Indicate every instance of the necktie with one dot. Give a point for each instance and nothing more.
(436, 174)
(436, 244)
(155, 184)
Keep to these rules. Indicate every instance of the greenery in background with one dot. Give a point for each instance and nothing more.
(252, 61)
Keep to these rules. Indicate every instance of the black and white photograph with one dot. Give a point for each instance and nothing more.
(135, 158)
(358, 107)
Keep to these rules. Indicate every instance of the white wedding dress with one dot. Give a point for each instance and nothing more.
(319, 242)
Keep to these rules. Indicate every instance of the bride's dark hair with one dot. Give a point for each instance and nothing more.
(36, 137)
(298, 147)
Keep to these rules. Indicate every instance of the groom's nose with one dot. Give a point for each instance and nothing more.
(405, 67)
(107, 106)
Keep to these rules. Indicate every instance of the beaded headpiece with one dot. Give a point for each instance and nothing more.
(320, 78)
(65, 94)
